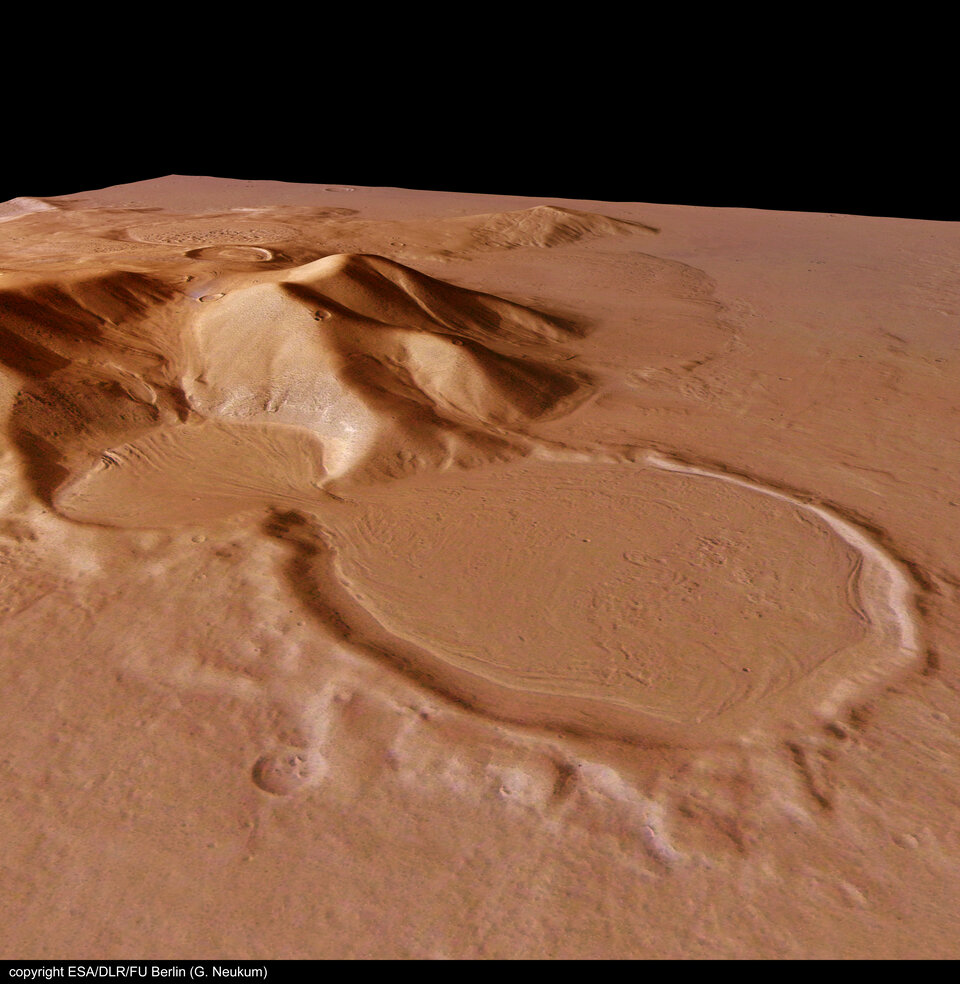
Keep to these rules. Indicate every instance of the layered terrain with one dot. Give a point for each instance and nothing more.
(419, 535)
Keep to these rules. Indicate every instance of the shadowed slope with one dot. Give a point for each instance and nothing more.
(393, 371)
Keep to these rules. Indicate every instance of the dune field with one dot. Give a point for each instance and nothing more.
(400, 574)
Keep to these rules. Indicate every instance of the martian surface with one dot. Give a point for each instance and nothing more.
(399, 574)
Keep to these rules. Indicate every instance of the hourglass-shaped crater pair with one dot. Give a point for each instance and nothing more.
(390, 420)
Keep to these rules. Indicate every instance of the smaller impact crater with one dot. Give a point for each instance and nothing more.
(231, 254)
(285, 772)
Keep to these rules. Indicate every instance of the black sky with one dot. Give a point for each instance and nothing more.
(613, 129)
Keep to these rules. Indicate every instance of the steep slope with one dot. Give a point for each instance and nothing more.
(387, 369)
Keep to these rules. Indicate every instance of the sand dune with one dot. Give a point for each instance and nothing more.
(441, 577)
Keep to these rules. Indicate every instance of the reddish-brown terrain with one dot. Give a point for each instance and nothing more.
(388, 573)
